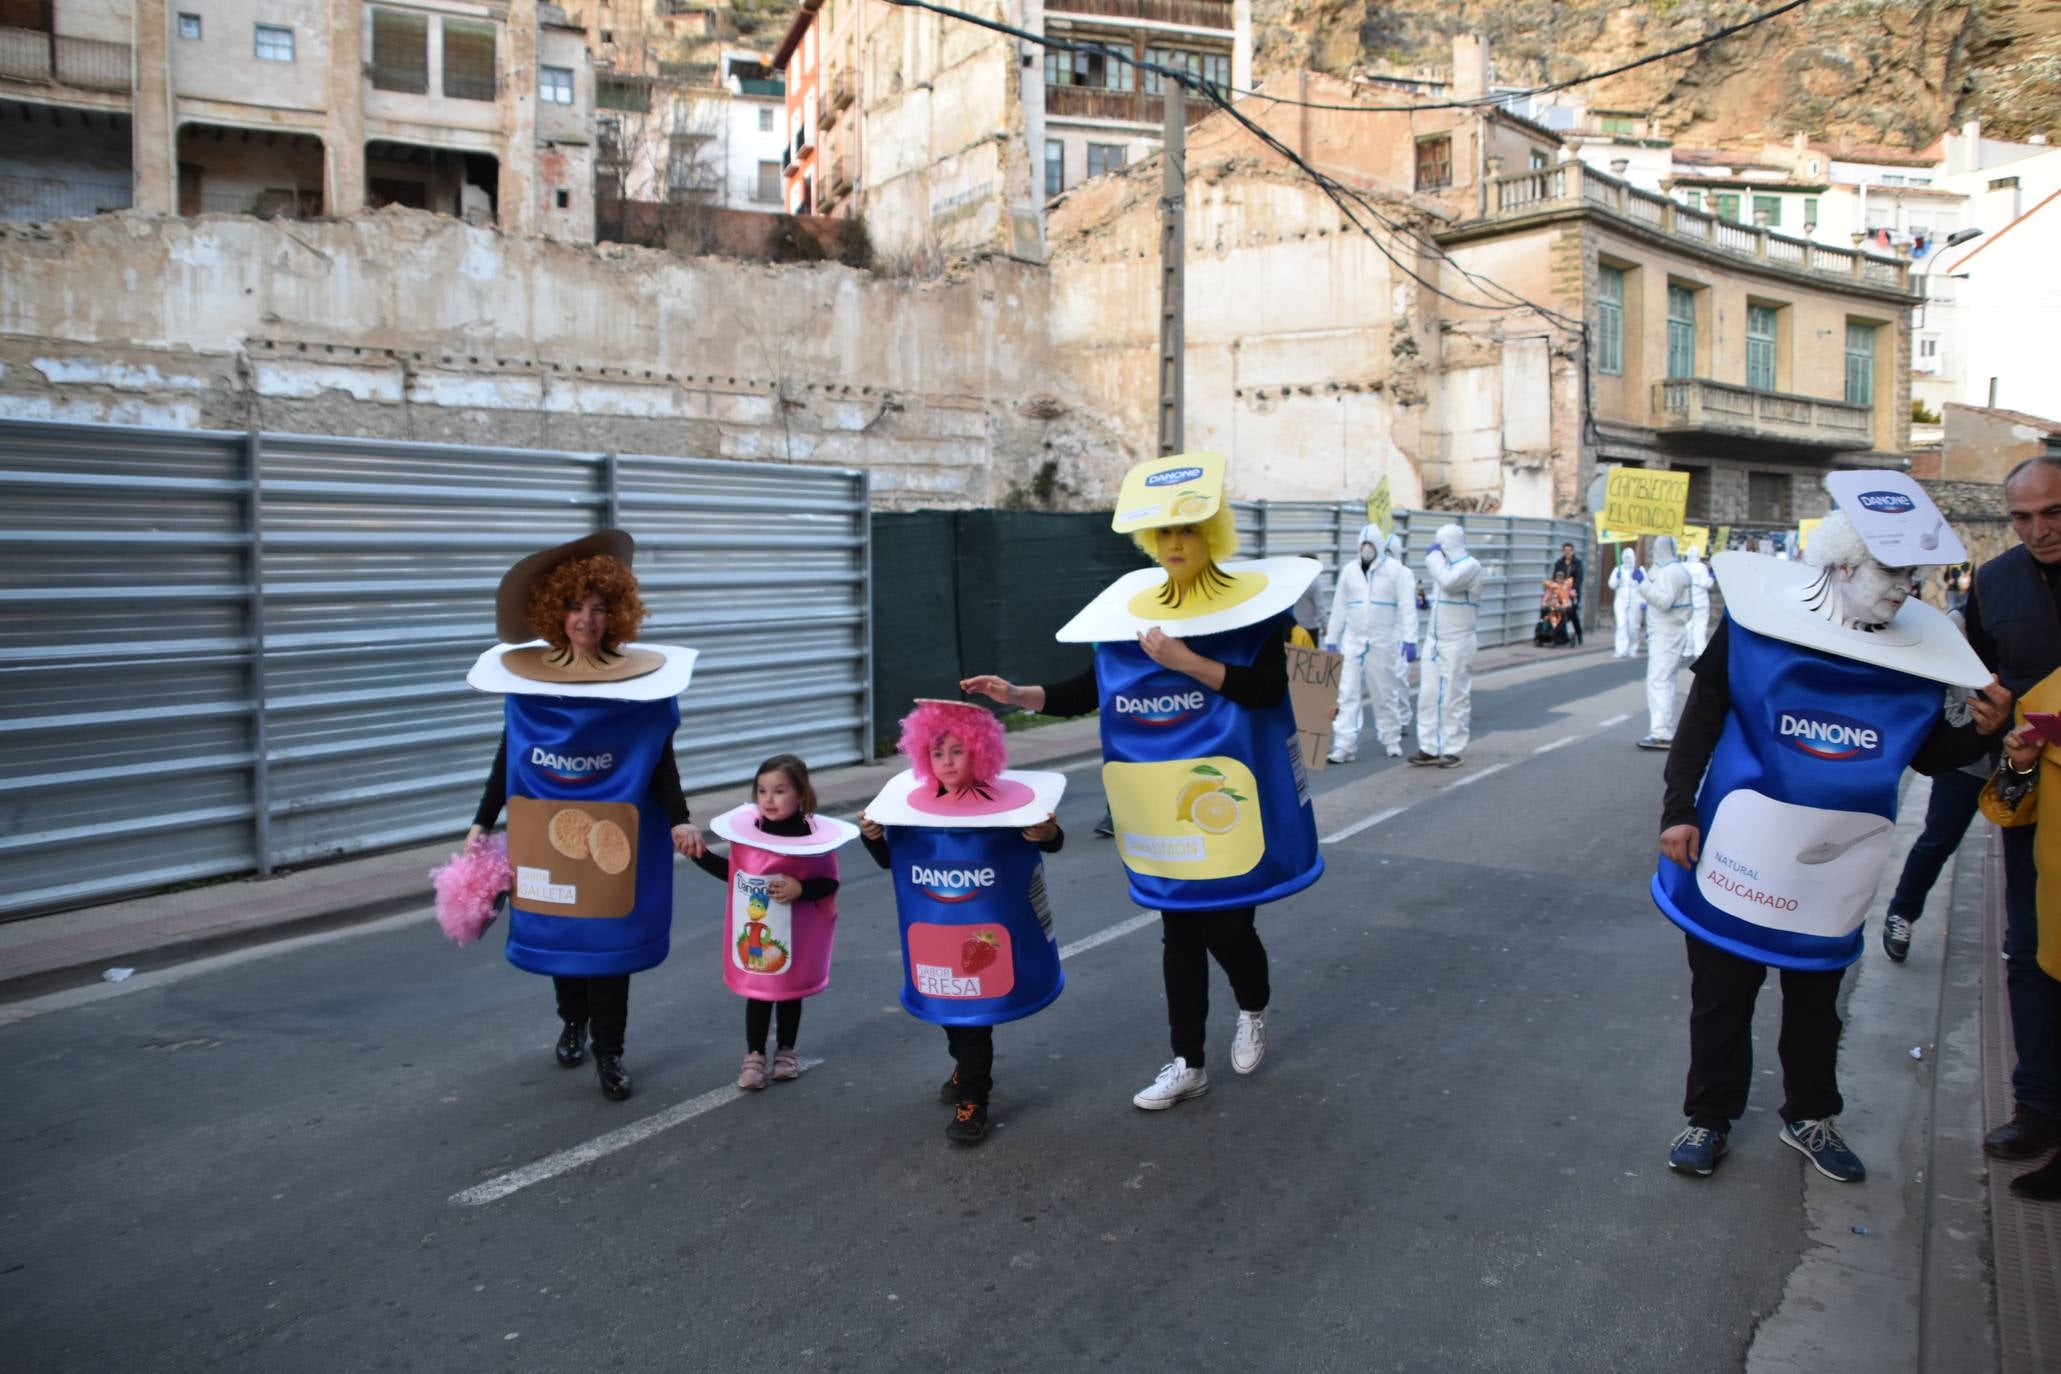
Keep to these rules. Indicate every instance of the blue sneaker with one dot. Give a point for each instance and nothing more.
(1820, 1142)
(1697, 1150)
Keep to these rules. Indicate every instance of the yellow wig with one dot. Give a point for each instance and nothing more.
(1219, 535)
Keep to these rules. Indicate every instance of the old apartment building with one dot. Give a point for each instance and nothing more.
(297, 108)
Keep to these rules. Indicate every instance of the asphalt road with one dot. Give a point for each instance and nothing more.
(1452, 1158)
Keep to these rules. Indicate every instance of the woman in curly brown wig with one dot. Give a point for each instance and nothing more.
(586, 609)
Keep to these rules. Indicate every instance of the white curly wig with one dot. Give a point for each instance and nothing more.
(1835, 542)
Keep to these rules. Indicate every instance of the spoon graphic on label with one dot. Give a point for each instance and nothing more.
(1825, 851)
(1930, 539)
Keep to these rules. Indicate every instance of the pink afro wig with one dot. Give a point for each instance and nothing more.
(469, 888)
(987, 747)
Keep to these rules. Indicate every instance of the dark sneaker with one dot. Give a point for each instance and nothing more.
(1106, 827)
(949, 1093)
(1449, 761)
(1820, 1142)
(2042, 1184)
(1423, 759)
(615, 1079)
(969, 1124)
(1896, 937)
(2029, 1132)
(1697, 1150)
(572, 1045)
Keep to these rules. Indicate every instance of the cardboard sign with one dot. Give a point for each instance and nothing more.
(1643, 501)
(1724, 538)
(1313, 680)
(1803, 533)
(1693, 537)
(1380, 512)
(1895, 518)
(1606, 535)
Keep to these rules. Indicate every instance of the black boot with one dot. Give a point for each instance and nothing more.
(572, 1045)
(615, 1079)
(949, 1093)
(2042, 1184)
(968, 1124)
(2029, 1134)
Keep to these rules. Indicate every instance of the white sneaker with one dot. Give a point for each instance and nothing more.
(1176, 1083)
(1249, 1045)
(1343, 755)
(1394, 751)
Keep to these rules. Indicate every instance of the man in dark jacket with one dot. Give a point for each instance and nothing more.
(2014, 623)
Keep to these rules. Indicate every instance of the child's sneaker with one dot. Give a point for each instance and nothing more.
(1820, 1142)
(1697, 1150)
(949, 1093)
(751, 1074)
(786, 1068)
(969, 1124)
(1176, 1083)
(1249, 1045)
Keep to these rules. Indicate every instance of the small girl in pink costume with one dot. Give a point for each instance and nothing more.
(781, 918)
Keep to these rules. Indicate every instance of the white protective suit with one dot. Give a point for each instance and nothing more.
(1373, 614)
(1665, 590)
(1446, 686)
(1405, 706)
(1700, 583)
(1627, 609)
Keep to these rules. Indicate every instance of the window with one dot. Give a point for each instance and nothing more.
(555, 85)
(1434, 162)
(468, 60)
(1767, 498)
(1860, 364)
(765, 121)
(1693, 199)
(274, 44)
(1610, 323)
(1810, 212)
(1055, 167)
(1681, 331)
(1538, 160)
(1089, 69)
(1105, 157)
(1726, 203)
(809, 49)
(622, 93)
(2003, 184)
(1620, 124)
(189, 26)
(400, 52)
(768, 188)
(1760, 347)
(1771, 206)
(1212, 68)
(1928, 347)
(1892, 179)
(562, 198)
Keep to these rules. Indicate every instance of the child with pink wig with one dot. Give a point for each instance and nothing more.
(958, 752)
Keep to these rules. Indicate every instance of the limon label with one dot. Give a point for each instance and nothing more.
(1193, 818)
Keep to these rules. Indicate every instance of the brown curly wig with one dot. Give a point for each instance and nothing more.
(572, 582)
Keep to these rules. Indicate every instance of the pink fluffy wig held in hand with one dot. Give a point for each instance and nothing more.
(987, 748)
(469, 886)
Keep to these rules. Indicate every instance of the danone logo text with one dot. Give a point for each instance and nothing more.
(1887, 502)
(1165, 708)
(950, 884)
(1824, 735)
(575, 768)
(1173, 476)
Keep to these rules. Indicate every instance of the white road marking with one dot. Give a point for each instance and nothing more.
(1366, 824)
(1471, 778)
(1614, 720)
(1103, 937)
(601, 1146)
(1560, 743)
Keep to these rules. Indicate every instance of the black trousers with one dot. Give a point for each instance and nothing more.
(758, 1019)
(603, 1004)
(973, 1050)
(1188, 941)
(1722, 989)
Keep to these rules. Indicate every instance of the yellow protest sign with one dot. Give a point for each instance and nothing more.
(1379, 510)
(1693, 539)
(1803, 533)
(1645, 501)
(1606, 535)
(1724, 538)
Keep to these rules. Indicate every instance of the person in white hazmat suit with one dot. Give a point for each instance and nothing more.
(1405, 705)
(1700, 583)
(1445, 687)
(1373, 613)
(1665, 590)
(1627, 610)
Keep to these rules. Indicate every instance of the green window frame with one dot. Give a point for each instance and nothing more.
(1681, 331)
(1810, 211)
(1760, 347)
(1610, 321)
(1860, 364)
(1772, 206)
(1727, 205)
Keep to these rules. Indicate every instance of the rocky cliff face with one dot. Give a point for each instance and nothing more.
(1893, 72)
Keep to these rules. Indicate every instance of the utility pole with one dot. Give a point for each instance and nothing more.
(1173, 275)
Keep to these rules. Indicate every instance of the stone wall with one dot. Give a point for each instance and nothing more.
(408, 325)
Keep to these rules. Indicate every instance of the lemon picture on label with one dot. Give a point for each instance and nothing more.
(1190, 503)
(1207, 800)
(1217, 813)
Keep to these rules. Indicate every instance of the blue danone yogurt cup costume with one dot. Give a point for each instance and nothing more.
(1799, 800)
(1209, 799)
(591, 852)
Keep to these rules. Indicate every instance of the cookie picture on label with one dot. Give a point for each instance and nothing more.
(609, 846)
(568, 832)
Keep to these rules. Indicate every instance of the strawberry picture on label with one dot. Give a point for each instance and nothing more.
(978, 952)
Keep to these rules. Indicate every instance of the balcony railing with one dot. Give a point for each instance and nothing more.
(841, 175)
(1684, 405)
(844, 88)
(87, 63)
(1133, 107)
(48, 198)
(1569, 184)
(1200, 14)
(273, 204)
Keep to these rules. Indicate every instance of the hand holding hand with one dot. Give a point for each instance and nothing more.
(783, 888)
(1682, 843)
(1042, 831)
(992, 687)
(2022, 748)
(687, 839)
(1991, 707)
(869, 827)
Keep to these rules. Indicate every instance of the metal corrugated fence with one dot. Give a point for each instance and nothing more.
(1516, 553)
(230, 652)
